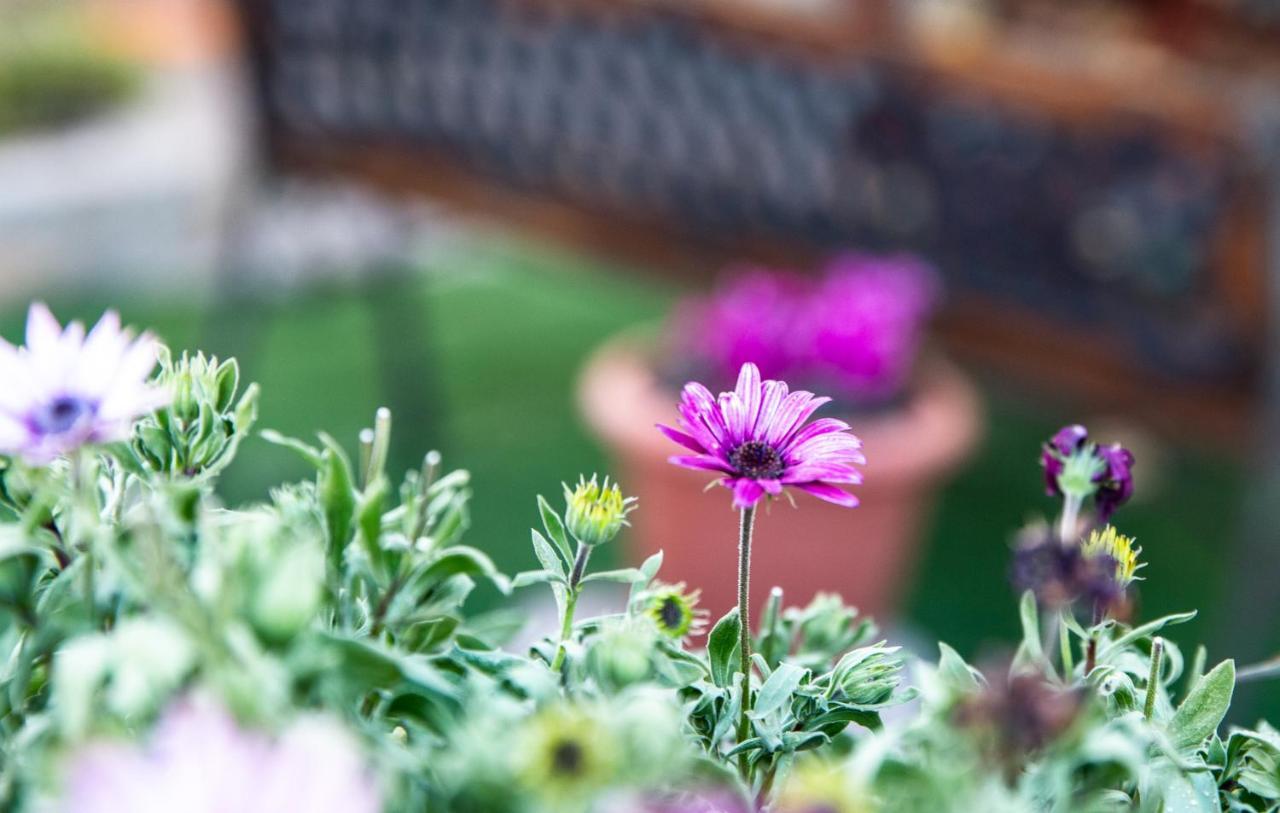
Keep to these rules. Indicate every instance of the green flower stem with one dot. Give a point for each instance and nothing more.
(1064, 643)
(1070, 519)
(1153, 679)
(744, 627)
(571, 602)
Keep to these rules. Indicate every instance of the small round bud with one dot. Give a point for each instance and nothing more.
(595, 512)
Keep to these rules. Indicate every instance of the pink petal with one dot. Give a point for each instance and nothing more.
(829, 493)
(830, 472)
(822, 426)
(795, 416)
(735, 418)
(746, 492)
(773, 487)
(700, 462)
(681, 438)
(748, 387)
(774, 393)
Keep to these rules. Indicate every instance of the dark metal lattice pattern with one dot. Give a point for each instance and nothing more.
(658, 116)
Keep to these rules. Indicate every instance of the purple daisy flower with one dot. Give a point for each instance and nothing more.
(65, 389)
(756, 436)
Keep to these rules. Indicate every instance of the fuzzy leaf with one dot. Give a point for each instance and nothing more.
(308, 452)
(227, 382)
(547, 556)
(957, 674)
(1203, 709)
(528, 577)
(337, 497)
(778, 689)
(1145, 631)
(722, 647)
(464, 560)
(555, 529)
(626, 575)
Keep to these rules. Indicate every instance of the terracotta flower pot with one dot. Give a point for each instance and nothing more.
(866, 554)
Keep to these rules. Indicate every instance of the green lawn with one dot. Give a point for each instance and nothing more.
(478, 358)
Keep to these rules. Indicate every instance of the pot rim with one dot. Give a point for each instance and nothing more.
(621, 398)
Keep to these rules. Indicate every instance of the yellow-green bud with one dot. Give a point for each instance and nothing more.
(595, 512)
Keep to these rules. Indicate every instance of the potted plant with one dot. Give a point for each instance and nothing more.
(854, 331)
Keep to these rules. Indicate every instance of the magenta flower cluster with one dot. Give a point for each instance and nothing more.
(854, 331)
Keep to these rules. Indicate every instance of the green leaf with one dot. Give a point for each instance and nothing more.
(246, 414)
(464, 560)
(1030, 650)
(308, 452)
(547, 556)
(429, 636)
(555, 529)
(722, 647)
(1144, 631)
(1181, 792)
(778, 689)
(370, 666)
(626, 575)
(228, 381)
(528, 577)
(648, 569)
(369, 517)
(957, 674)
(651, 565)
(337, 498)
(1203, 709)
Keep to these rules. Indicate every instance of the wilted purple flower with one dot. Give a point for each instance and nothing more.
(756, 436)
(1115, 484)
(864, 324)
(1066, 441)
(751, 318)
(65, 389)
(1112, 478)
(1060, 574)
(200, 761)
(1016, 715)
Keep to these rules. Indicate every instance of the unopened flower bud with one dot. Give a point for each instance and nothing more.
(595, 512)
(868, 675)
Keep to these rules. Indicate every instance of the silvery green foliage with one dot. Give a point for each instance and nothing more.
(198, 432)
(126, 585)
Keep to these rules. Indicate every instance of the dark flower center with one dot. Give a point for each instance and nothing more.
(671, 613)
(566, 758)
(757, 460)
(60, 415)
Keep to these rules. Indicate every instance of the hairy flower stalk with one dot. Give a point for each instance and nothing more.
(744, 626)
(594, 514)
(1153, 679)
(759, 440)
